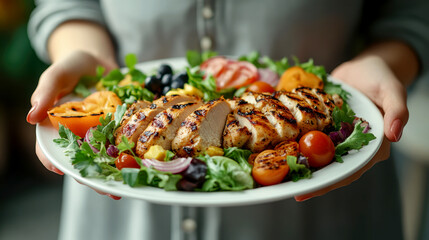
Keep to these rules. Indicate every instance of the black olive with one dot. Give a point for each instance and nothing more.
(164, 69)
(183, 75)
(153, 84)
(196, 172)
(186, 185)
(165, 90)
(166, 79)
(177, 83)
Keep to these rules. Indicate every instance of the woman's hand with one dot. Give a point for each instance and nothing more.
(58, 80)
(375, 75)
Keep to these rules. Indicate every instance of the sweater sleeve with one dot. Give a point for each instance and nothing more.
(408, 21)
(49, 14)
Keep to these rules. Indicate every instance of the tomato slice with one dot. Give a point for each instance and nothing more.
(80, 116)
(261, 87)
(230, 73)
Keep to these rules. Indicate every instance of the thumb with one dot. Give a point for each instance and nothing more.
(60, 79)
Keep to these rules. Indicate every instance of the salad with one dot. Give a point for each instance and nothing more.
(220, 124)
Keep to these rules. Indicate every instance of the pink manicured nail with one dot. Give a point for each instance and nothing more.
(396, 129)
(114, 197)
(31, 111)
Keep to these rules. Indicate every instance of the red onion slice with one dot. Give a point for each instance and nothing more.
(269, 76)
(175, 166)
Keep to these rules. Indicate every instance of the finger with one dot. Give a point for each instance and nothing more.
(381, 155)
(45, 161)
(395, 110)
(60, 79)
(101, 193)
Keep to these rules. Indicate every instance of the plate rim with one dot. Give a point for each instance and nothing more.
(222, 198)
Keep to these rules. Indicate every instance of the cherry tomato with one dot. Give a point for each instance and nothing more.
(80, 116)
(230, 73)
(261, 87)
(126, 160)
(318, 148)
(270, 167)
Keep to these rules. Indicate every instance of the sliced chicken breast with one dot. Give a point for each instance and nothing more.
(278, 115)
(234, 135)
(201, 129)
(130, 112)
(163, 128)
(323, 114)
(263, 133)
(141, 119)
(300, 109)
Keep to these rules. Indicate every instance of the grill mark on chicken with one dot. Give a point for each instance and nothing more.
(317, 101)
(164, 127)
(234, 135)
(278, 115)
(302, 111)
(138, 122)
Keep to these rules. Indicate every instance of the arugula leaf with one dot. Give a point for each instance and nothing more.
(150, 177)
(241, 156)
(208, 86)
(277, 66)
(343, 114)
(67, 140)
(332, 88)
(225, 174)
(131, 93)
(253, 58)
(195, 58)
(112, 78)
(124, 145)
(356, 141)
(168, 155)
(297, 171)
(130, 61)
(119, 113)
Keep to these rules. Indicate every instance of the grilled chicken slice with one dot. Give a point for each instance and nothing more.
(133, 109)
(141, 119)
(263, 133)
(130, 112)
(234, 135)
(300, 109)
(202, 129)
(163, 128)
(316, 101)
(278, 115)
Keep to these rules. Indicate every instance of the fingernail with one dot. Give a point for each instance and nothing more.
(396, 129)
(113, 197)
(57, 171)
(31, 111)
(302, 198)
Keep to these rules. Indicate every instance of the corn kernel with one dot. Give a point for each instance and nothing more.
(155, 152)
(214, 151)
(192, 91)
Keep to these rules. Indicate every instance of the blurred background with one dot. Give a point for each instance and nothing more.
(30, 196)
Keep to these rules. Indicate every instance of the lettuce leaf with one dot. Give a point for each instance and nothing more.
(355, 141)
(225, 174)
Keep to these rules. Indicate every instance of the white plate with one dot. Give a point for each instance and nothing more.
(332, 173)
